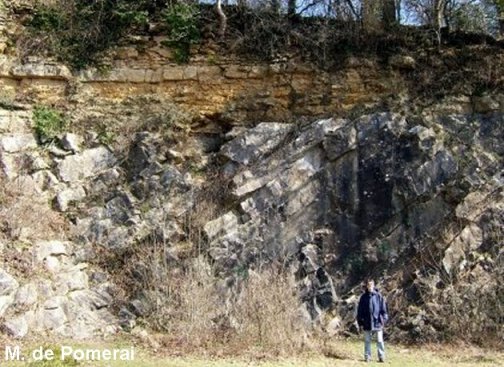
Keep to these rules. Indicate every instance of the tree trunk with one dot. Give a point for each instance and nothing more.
(389, 13)
(398, 11)
(352, 8)
(437, 14)
(501, 24)
(371, 15)
(275, 6)
(291, 9)
(222, 19)
(499, 5)
(378, 14)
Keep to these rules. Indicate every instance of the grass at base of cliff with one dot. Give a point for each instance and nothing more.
(332, 354)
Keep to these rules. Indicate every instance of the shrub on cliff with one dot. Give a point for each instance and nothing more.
(76, 31)
(49, 123)
(183, 29)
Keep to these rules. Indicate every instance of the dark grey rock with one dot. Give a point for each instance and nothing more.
(170, 176)
(434, 173)
(142, 154)
(101, 298)
(138, 307)
(340, 141)
(71, 142)
(127, 319)
(120, 208)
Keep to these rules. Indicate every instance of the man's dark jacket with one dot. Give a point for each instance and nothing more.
(372, 313)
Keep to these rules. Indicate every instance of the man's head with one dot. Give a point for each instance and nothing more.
(370, 285)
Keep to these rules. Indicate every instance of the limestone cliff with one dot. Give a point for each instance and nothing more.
(334, 175)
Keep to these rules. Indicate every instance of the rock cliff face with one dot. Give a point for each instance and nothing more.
(181, 162)
(387, 195)
(412, 200)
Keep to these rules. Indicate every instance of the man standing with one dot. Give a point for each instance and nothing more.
(372, 315)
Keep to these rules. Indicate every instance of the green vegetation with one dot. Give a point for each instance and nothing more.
(48, 19)
(76, 31)
(56, 360)
(105, 135)
(384, 249)
(354, 263)
(48, 122)
(471, 18)
(182, 20)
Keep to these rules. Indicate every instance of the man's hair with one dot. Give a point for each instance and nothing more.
(364, 285)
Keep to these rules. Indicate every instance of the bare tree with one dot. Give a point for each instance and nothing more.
(241, 3)
(351, 8)
(389, 13)
(276, 6)
(378, 14)
(429, 12)
(499, 4)
(291, 9)
(222, 18)
(437, 13)
(371, 10)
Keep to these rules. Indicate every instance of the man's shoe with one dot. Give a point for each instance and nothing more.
(367, 359)
(381, 360)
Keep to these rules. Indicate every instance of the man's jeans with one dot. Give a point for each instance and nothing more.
(380, 345)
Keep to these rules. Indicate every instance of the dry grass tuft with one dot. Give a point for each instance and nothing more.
(254, 312)
(27, 215)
